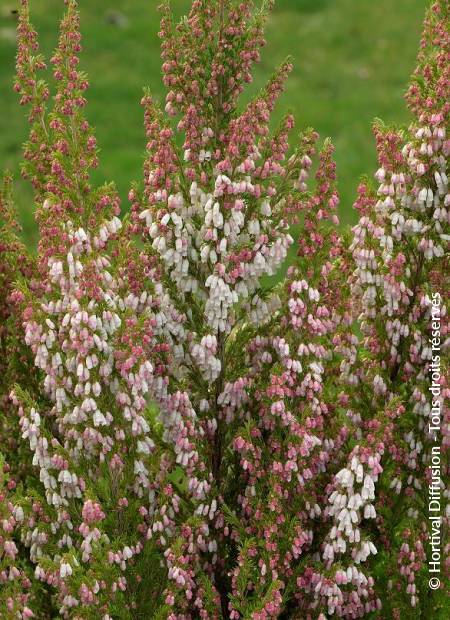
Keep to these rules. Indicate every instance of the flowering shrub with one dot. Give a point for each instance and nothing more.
(183, 438)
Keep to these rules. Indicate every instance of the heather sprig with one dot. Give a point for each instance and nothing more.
(400, 250)
(88, 434)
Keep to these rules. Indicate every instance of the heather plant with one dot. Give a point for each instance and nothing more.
(400, 250)
(185, 438)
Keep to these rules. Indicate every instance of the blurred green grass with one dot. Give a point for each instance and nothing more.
(353, 59)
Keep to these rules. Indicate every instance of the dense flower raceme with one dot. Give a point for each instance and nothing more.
(85, 424)
(400, 250)
(203, 443)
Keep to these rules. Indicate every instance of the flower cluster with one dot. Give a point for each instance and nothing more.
(400, 250)
(85, 421)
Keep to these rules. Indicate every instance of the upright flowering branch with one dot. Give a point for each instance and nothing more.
(88, 433)
(217, 216)
(401, 253)
(17, 263)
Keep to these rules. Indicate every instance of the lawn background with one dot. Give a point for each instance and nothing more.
(352, 60)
